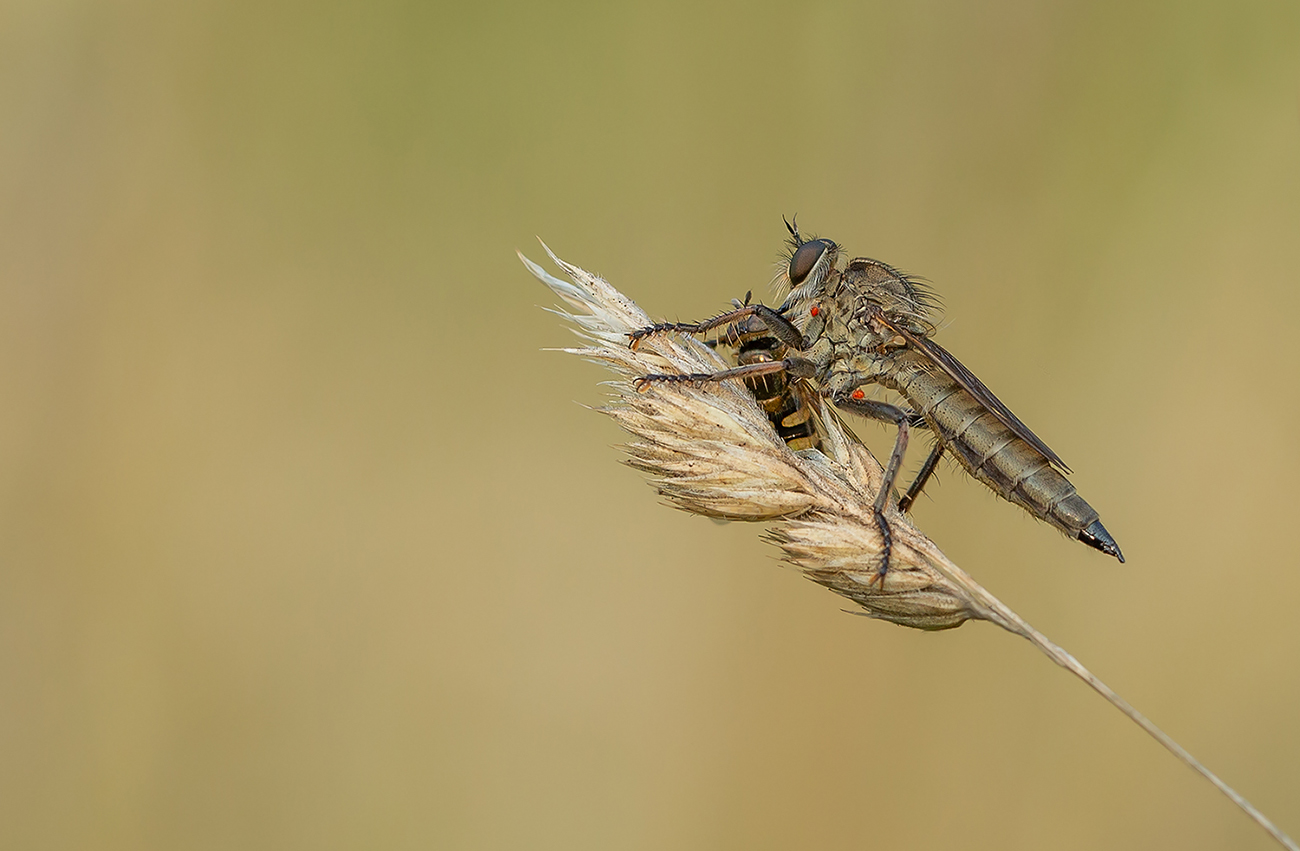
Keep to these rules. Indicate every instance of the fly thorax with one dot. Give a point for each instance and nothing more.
(859, 365)
(869, 340)
(865, 332)
(813, 322)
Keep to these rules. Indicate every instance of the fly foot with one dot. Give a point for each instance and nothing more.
(695, 379)
(635, 337)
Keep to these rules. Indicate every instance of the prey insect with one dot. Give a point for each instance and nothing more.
(787, 401)
(847, 325)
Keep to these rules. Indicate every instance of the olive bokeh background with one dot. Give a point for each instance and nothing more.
(305, 543)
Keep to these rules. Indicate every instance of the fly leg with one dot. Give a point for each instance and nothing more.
(922, 476)
(783, 329)
(798, 367)
(904, 419)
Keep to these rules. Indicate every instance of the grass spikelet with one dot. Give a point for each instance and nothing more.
(712, 451)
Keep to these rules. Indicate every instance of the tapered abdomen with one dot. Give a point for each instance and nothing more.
(994, 455)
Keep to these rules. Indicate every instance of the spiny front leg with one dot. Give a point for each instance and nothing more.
(797, 367)
(783, 329)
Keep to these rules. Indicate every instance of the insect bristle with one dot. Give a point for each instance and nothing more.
(926, 298)
(903, 296)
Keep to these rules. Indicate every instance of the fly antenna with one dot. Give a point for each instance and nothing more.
(793, 227)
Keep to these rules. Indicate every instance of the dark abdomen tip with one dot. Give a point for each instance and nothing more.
(1097, 537)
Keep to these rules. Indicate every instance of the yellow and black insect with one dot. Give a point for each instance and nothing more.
(788, 401)
(845, 326)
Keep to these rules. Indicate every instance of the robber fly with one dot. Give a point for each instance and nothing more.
(849, 325)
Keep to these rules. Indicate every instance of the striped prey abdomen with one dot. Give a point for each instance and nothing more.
(779, 395)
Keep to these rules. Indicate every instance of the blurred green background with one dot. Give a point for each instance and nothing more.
(305, 543)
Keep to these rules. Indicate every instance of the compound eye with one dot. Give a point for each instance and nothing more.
(805, 259)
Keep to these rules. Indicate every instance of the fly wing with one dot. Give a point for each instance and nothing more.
(972, 385)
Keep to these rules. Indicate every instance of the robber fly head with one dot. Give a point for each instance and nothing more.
(809, 263)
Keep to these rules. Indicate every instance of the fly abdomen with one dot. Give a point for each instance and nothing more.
(992, 453)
